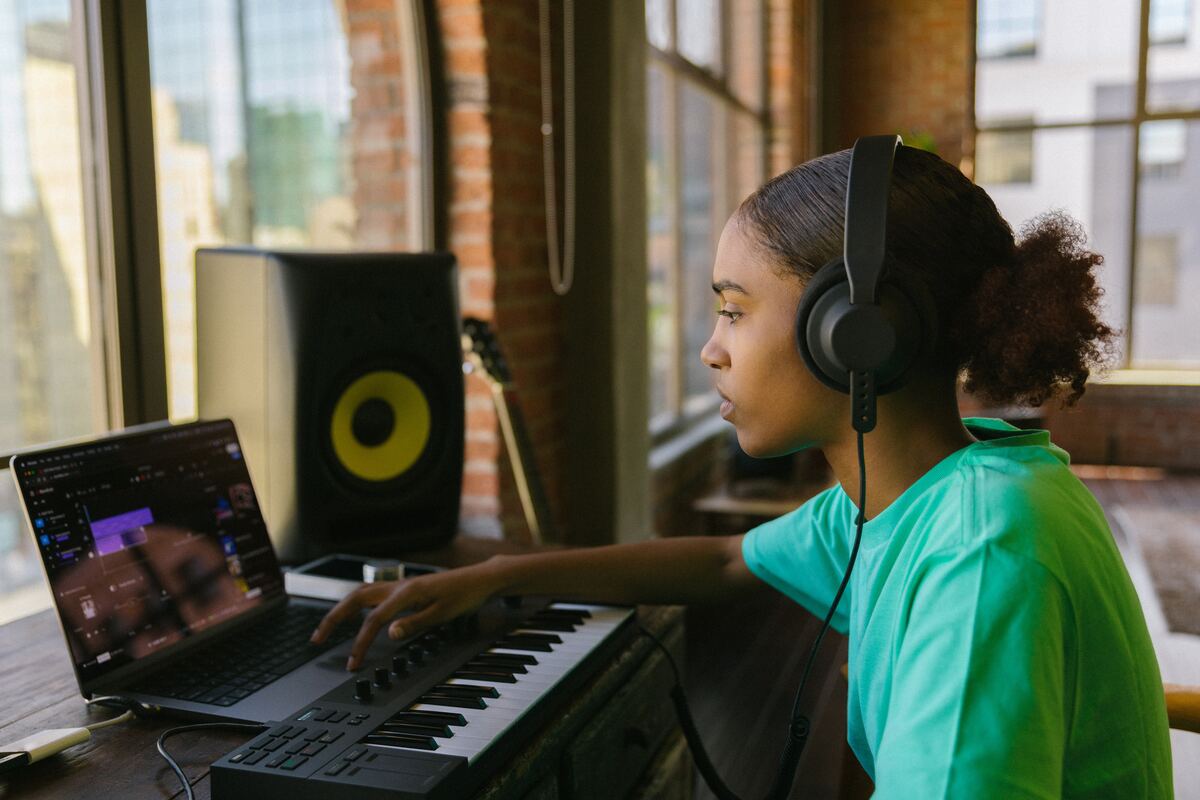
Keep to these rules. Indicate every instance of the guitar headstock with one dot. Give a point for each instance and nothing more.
(481, 350)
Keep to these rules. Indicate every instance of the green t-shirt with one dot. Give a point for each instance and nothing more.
(997, 647)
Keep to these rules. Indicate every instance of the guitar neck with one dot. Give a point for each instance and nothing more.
(524, 464)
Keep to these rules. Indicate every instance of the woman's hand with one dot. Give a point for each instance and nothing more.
(432, 598)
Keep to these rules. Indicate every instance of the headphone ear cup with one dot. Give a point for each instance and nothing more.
(823, 288)
(905, 306)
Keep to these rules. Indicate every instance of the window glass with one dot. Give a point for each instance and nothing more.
(701, 160)
(1072, 169)
(706, 153)
(1007, 28)
(1162, 148)
(52, 361)
(745, 37)
(661, 255)
(1167, 291)
(658, 23)
(698, 26)
(1169, 21)
(1004, 157)
(749, 156)
(1173, 60)
(1084, 65)
(270, 130)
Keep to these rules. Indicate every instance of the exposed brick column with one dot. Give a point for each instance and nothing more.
(378, 127)
(905, 66)
(497, 231)
(792, 50)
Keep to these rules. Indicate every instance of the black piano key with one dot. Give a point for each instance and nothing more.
(548, 625)
(454, 702)
(489, 677)
(510, 658)
(501, 670)
(523, 644)
(431, 717)
(488, 663)
(548, 638)
(567, 612)
(402, 740)
(413, 729)
(459, 690)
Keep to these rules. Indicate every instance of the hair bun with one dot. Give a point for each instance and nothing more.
(1033, 330)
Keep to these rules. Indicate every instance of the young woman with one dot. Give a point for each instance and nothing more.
(997, 647)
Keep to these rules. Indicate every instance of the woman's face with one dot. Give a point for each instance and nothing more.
(774, 402)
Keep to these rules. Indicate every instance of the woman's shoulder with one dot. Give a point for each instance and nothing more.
(1027, 501)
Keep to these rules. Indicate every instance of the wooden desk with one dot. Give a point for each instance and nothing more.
(618, 737)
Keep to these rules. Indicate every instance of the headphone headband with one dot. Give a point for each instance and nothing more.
(866, 214)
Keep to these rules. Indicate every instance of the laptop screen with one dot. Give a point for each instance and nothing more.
(147, 538)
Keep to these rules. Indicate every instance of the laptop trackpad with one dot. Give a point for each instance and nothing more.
(304, 684)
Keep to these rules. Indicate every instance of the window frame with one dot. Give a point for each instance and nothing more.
(1141, 114)
(685, 413)
(111, 57)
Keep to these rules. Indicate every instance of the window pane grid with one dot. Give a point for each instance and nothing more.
(1152, 265)
(54, 384)
(716, 130)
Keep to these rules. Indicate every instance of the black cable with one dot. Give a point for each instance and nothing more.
(799, 727)
(703, 763)
(162, 749)
(139, 709)
(798, 730)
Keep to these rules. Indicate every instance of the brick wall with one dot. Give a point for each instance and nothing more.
(903, 66)
(1155, 426)
(494, 219)
(497, 230)
(382, 160)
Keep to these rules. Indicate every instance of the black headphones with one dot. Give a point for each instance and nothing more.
(859, 332)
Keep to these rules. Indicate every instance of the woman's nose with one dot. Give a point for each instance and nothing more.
(713, 354)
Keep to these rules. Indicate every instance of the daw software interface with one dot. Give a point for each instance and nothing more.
(147, 539)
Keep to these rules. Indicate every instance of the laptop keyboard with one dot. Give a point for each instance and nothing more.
(240, 664)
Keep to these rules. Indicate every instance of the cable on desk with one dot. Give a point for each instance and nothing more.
(117, 720)
(174, 765)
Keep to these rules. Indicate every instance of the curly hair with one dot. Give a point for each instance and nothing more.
(1019, 320)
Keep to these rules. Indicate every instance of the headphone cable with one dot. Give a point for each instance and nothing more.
(798, 728)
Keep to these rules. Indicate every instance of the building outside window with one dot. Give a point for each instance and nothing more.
(1120, 160)
(278, 123)
(1008, 28)
(706, 125)
(53, 358)
(271, 130)
(1004, 156)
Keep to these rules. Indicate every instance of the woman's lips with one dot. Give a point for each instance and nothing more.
(726, 405)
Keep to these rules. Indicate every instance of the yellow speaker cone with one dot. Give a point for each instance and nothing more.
(380, 425)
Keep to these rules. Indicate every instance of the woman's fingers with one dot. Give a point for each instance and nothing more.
(404, 596)
(415, 623)
(366, 595)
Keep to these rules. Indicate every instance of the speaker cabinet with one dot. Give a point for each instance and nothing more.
(343, 375)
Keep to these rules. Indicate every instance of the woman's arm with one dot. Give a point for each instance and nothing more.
(694, 569)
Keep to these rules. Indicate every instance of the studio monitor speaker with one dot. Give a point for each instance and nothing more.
(343, 375)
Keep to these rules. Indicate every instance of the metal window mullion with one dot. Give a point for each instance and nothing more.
(105, 392)
(675, 389)
(703, 79)
(1135, 184)
(124, 199)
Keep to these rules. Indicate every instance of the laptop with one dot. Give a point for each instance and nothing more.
(165, 581)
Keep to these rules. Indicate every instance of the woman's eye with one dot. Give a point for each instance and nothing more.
(732, 316)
